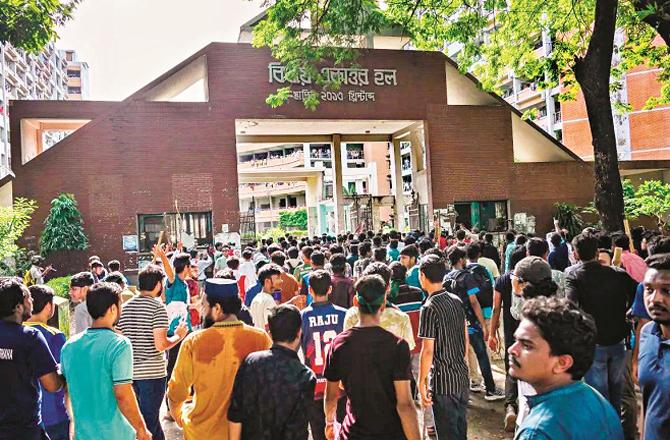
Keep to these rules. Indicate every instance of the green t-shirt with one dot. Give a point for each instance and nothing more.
(412, 277)
(394, 254)
(93, 362)
(176, 302)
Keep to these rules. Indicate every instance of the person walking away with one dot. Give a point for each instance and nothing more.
(374, 367)
(208, 363)
(555, 345)
(273, 390)
(144, 321)
(321, 322)
(26, 365)
(605, 293)
(54, 415)
(98, 367)
(343, 286)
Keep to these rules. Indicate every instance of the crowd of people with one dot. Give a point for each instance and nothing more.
(360, 336)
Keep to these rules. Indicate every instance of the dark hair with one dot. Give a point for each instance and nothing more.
(93, 258)
(377, 241)
(116, 278)
(267, 271)
(556, 239)
(393, 244)
(247, 254)
(318, 259)
(42, 295)
(82, 279)
(181, 261)
(659, 261)
(410, 251)
(338, 263)
(230, 305)
(605, 241)
(437, 252)
(488, 237)
(292, 252)
(233, 263)
(424, 245)
(520, 239)
(398, 271)
(566, 328)
(473, 251)
(518, 254)
(114, 265)
(510, 235)
(284, 323)
(621, 240)
(537, 247)
(364, 249)
(380, 254)
(278, 258)
(101, 297)
(307, 251)
(658, 245)
(381, 269)
(370, 290)
(546, 287)
(455, 254)
(96, 263)
(320, 282)
(12, 293)
(586, 246)
(460, 235)
(149, 277)
(433, 268)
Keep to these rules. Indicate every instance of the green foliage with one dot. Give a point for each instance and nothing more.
(64, 227)
(514, 28)
(293, 219)
(275, 233)
(13, 222)
(61, 286)
(31, 24)
(652, 198)
(569, 218)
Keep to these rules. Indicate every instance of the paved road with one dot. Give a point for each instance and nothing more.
(484, 418)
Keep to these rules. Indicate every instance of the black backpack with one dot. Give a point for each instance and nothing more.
(454, 283)
(483, 280)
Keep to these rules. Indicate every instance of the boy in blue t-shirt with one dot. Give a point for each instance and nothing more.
(321, 322)
(54, 414)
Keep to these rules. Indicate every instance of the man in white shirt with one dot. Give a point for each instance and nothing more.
(248, 269)
(263, 303)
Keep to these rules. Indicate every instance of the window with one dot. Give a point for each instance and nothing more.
(282, 203)
(150, 226)
(292, 202)
(74, 90)
(351, 187)
(265, 206)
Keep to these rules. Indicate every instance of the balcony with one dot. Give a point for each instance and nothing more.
(268, 215)
(11, 53)
(248, 190)
(558, 118)
(295, 159)
(527, 94)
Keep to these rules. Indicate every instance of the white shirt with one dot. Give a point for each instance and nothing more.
(260, 309)
(248, 269)
(202, 265)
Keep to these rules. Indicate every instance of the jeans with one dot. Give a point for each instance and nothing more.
(171, 362)
(606, 374)
(511, 387)
(427, 412)
(150, 394)
(450, 411)
(629, 407)
(479, 346)
(59, 431)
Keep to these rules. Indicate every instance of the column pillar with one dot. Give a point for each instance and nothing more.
(396, 175)
(338, 193)
(314, 185)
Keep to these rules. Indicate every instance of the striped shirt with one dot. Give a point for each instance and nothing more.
(442, 319)
(139, 318)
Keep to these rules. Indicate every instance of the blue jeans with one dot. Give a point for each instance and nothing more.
(150, 394)
(606, 374)
(59, 431)
(479, 346)
(450, 411)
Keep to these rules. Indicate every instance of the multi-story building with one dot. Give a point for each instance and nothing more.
(24, 76)
(365, 171)
(77, 76)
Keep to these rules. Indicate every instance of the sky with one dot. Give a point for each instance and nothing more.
(128, 43)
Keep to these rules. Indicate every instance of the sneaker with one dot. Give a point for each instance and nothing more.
(510, 419)
(475, 387)
(496, 394)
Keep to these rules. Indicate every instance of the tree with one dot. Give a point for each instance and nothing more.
(31, 24)
(652, 198)
(497, 37)
(64, 227)
(13, 222)
(293, 219)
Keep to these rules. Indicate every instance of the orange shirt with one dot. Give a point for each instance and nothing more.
(289, 287)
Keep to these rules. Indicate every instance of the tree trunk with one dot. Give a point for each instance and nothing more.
(659, 21)
(593, 75)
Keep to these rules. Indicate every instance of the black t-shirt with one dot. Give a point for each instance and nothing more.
(368, 360)
(24, 358)
(504, 286)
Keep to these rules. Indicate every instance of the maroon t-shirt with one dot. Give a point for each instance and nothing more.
(368, 360)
